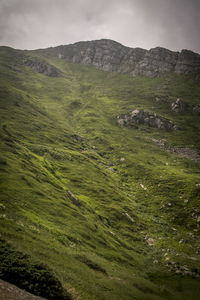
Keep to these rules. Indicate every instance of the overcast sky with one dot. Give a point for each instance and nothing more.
(31, 24)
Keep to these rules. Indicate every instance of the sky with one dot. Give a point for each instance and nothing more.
(33, 24)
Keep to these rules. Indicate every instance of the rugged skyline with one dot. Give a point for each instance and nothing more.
(173, 24)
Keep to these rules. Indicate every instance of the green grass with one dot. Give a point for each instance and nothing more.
(61, 134)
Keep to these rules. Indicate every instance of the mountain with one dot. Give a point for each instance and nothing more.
(108, 55)
(99, 168)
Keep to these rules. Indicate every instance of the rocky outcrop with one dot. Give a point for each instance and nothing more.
(111, 56)
(178, 106)
(146, 118)
(42, 67)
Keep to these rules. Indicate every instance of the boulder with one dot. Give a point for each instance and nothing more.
(146, 118)
(178, 106)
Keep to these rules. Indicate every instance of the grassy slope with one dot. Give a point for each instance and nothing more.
(99, 250)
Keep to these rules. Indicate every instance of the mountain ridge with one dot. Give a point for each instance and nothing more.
(109, 55)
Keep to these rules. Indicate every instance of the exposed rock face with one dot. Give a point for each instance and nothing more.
(104, 54)
(187, 61)
(111, 56)
(156, 61)
(42, 67)
(146, 118)
(178, 106)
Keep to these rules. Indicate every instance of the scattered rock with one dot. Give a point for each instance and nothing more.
(188, 153)
(121, 121)
(111, 232)
(145, 118)
(78, 138)
(73, 198)
(2, 206)
(159, 142)
(166, 258)
(112, 170)
(191, 234)
(143, 187)
(129, 217)
(183, 270)
(178, 106)
(155, 261)
(157, 99)
(151, 241)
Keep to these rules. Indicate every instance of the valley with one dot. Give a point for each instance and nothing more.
(111, 209)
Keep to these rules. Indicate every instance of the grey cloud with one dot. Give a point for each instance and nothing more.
(31, 24)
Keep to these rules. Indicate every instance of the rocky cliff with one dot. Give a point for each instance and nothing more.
(111, 56)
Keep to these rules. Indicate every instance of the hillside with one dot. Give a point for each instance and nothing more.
(100, 178)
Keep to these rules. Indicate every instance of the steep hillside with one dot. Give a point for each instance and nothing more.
(111, 208)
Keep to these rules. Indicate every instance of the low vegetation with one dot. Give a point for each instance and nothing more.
(37, 278)
(106, 211)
